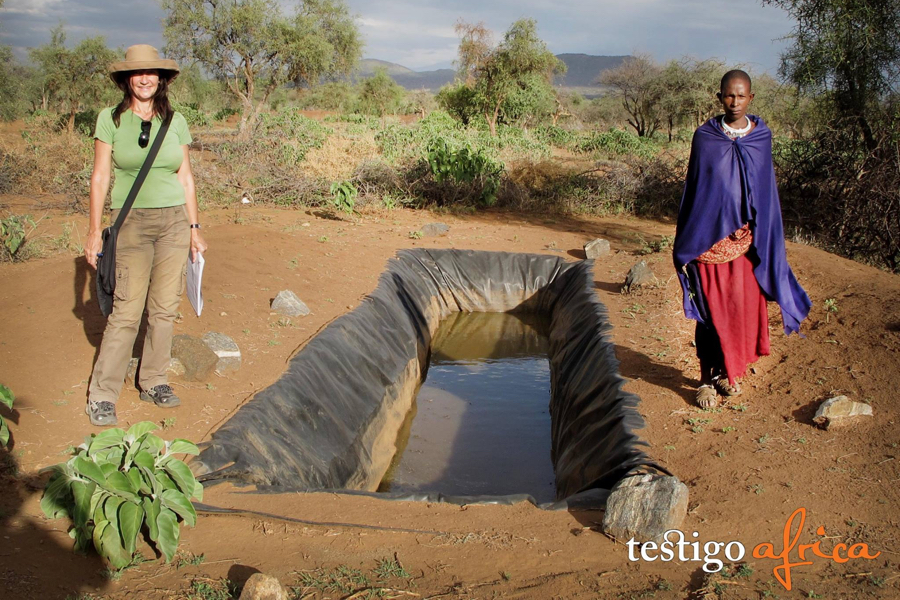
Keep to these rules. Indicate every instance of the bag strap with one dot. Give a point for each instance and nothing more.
(142, 174)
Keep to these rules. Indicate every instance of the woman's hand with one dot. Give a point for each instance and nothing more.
(92, 247)
(198, 244)
(99, 186)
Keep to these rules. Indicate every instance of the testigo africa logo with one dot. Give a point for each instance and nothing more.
(676, 546)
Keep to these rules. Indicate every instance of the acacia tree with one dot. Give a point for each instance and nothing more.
(850, 50)
(76, 78)
(251, 46)
(688, 92)
(637, 83)
(379, 93)
(512, 69)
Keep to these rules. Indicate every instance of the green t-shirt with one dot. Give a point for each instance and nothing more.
(161, 188)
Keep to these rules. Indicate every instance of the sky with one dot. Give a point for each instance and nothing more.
(419, 33)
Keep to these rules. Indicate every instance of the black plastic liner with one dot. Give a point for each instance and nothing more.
(330, 422)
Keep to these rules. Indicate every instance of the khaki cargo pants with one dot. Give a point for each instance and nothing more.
(151, 259)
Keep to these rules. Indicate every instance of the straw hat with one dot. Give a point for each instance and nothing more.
(141, 57)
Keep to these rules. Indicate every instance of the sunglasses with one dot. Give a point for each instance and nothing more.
(144, 137)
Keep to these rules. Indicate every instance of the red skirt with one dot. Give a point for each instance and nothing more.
(738, 310)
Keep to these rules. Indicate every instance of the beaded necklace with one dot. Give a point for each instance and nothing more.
(734, 132)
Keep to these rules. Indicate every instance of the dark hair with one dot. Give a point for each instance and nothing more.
(734, 74)
(161, 106)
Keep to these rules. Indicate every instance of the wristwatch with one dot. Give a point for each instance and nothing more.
(195, 225)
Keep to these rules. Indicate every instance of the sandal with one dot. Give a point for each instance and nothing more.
(707, 397)
(725, 388)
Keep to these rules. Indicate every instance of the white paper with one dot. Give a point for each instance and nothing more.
(194, 281)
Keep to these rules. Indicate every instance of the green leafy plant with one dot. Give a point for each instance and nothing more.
(830, 307)
(119, 482)
(343, 196)
(465, 165)
(7, 398)
(12, 232)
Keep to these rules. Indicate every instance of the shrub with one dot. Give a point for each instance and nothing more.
(554, 135)
(6, 398)
(289, 135)
(224, 113)
(13, 234)
(193, 115)
(116, 483)
(343, 194)
(617, 142)
(54, 162)
(465, 165)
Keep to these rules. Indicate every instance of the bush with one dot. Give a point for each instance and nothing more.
(193, 115)
(6, 398)
(617, 142)
(13, 235)
(842, 193)
(223, 113)
(117, 483)
(54, 162)
(465, 165)
(554, 135)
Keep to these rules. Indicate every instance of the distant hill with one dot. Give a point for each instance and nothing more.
(583, 71)
(367, 67)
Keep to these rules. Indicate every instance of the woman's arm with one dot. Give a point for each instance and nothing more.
(99, 187)
(186, 177)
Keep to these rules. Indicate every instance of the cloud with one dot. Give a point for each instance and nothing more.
(419, 33)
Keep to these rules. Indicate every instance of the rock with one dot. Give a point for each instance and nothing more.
(434, 229)
(263, 587)
(596, 248)
(287, 303)
(644, 507)
(840, 410)
(226, 349)
(639, 275)
(175, 367)
(198, 360)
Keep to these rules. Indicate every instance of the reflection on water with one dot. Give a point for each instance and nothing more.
(481, 421)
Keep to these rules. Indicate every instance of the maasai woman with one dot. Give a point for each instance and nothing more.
(729, 244)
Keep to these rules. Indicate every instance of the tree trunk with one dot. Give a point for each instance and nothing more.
(70, 126)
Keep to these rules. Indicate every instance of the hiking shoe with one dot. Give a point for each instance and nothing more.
(161, 395)
(102, 413)
(725, 388)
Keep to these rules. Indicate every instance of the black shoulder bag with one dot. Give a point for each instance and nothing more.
(106, 260)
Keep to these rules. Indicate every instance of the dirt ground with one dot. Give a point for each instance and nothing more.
(748, 464)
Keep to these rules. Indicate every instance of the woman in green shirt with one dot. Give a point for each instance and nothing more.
(156, 237)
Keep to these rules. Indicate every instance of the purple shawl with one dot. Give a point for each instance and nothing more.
(729, 183)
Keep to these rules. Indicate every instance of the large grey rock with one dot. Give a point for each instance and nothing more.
(644, 507)
(226, 349)
(840, 410)
(175, 367)
(263, 587)
(639, 275)
(596, 248)
(198, 360)
(287, 303)
(434, 229)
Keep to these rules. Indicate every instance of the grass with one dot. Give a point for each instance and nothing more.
(347, 581)
(211, 589)
(189, 559)
(168, 422)
(342, 579)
